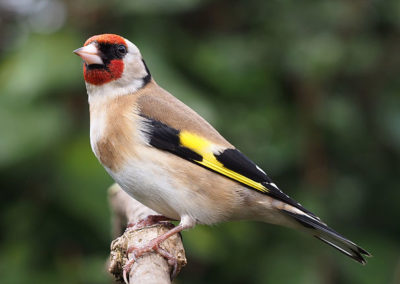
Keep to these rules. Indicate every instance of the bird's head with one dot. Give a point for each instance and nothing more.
(112, 61)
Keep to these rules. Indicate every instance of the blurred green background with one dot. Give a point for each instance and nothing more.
(308, 89)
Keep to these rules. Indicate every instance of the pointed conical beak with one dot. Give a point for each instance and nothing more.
(90, 54)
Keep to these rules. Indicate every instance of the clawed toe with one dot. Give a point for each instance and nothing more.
(172, 261)
(152, 246)
(127, 268)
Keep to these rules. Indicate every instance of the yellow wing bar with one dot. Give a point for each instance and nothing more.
(203, 147)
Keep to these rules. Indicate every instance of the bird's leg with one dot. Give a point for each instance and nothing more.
(154, 245)
(148, 221)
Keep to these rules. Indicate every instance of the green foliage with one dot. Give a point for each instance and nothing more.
(309, 90)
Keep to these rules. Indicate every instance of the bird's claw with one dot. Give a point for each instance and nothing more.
(150, 247)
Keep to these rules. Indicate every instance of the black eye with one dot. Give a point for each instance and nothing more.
(121, 49)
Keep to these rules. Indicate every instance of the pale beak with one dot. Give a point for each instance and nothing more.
(90, 54)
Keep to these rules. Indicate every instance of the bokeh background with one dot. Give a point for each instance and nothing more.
(308, 89)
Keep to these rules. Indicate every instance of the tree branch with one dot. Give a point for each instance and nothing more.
(151, 267)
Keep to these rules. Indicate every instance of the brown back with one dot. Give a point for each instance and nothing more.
(156, 103)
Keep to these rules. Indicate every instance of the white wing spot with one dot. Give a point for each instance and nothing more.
(258, 168)
(274, 185)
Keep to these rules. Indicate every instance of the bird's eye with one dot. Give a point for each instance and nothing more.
(122, 49)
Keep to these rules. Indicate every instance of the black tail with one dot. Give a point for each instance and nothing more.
(322, 232)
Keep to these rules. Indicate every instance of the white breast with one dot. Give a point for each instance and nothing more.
(97, 128)
(98, 119)
(150, 184)
(154, 180)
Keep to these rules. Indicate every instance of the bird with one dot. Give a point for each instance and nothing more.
(169, 158)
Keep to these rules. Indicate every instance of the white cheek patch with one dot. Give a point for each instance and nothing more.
(133, 67)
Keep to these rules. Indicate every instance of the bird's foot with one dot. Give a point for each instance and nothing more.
(152, 246)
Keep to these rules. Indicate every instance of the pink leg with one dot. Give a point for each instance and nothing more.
(154, 245)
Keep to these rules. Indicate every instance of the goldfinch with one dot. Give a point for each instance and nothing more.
(166, 156)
